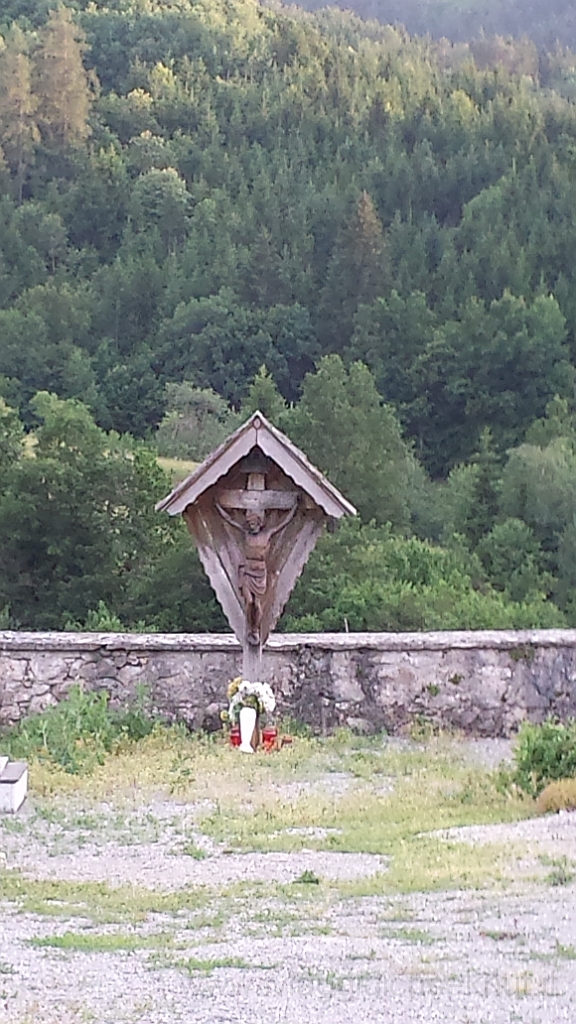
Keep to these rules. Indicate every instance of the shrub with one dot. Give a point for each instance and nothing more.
(557, 796)
(544, 753)
(77, 733)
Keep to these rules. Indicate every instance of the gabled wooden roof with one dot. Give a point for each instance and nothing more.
(257, 431)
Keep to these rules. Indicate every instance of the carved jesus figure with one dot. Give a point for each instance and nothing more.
(253, 571)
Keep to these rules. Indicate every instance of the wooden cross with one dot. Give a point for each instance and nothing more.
(253, 566)
(253, 571)
(256, 498)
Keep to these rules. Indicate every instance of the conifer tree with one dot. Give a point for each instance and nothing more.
(264, 283)
(346, 430)
(18, 126)
(264, 396)
(62, 82)
(356, 274)
(484, 508)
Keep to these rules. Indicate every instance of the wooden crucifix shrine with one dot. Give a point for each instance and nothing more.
(255, 508)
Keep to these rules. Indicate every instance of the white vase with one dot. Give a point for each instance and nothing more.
(247, 726)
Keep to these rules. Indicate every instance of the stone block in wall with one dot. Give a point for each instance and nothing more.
(39, 702)
(14, 670)
(131, 676)
(345, 686)
(47, 667)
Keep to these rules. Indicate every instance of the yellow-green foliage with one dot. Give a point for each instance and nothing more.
(558, 796)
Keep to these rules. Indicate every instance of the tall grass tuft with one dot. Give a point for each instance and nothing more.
(77, 733)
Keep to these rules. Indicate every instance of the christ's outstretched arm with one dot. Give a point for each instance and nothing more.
(284, 522)
(225, 515)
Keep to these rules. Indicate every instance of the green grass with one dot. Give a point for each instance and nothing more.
(110, 942)
(96, 901)
(562, 872)
(412, 935)
(389, 800)
(194, 965)
(191, 849)
(427, 797)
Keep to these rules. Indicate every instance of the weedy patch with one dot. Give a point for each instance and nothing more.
(370, 955)
(172, 762)
(97, 901)
(500, 936)
(433, 791)
(307, 878)
(109, 942)
(409, 935)
(562, 872)
(362, 820)
(560, 952)
(62, 826)
(332, 979)
(197, 965)
(565, 952)
(544, 753)
(278, 921)
(193, 965)
(340, 980)
(192, 849)
(557, 796)
(284, 803)
(78, 733)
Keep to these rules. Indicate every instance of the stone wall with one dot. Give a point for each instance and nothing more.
(485, 683)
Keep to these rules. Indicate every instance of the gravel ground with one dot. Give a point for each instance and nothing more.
(466, 957)
(495, 955)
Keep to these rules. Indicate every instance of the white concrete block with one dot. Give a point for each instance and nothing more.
(13, 786)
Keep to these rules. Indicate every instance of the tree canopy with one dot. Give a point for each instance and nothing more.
(206, 207)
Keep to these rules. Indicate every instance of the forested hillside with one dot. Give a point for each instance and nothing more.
(208, 207)
(549, 25)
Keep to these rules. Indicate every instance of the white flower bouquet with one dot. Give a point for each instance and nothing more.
(244, 694)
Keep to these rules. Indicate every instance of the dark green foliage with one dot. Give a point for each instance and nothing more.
(76, 518)
(496, 366)
(365, 578)
(357, 274)
(263, 395)
(173, 592)
(484, 498)
(514, 560)
(11, 438)
(77, 733)
(544, 753)
(191, 192)
(355, 439)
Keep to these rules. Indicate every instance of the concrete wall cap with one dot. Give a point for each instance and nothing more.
(21, 642)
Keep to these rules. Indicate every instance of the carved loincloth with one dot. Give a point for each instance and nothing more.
(253, 576)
